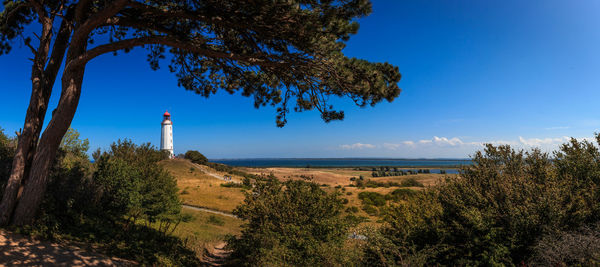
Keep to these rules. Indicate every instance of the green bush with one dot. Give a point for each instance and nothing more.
(499, 208)
(132, 185)
(124, 203)
(195, 157)
(411, 182)
(355, 220)
(401, 194)
(212, 219)
(374, 184)
(292, 223)
(370, 209)
(352, 209)
(7, 152)
(372, 198)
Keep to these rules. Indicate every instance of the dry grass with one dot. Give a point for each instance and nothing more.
(322, 176)
(427, 179)
(200, 189)
(340, 176)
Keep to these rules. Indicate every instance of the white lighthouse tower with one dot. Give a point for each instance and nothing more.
(166, 134)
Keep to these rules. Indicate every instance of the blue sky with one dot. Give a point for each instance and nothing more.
(518, 72)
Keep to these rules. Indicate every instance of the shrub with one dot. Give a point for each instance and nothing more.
(355, 220)
(411, 182)
(352, 209)
(7, 152)
(374, 184)
(372, 198)
(401, 194)
(195, 157)
(212, 219)
(134, 186)
(499, 208)
(124, 203)
(370, 209)
(572, 248)
(290, 223)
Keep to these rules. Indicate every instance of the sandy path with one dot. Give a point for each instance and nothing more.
(17, 250)
(217, 256)
(209, 210)
(204, 170)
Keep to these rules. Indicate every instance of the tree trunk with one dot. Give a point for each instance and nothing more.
(25, 147)
(35, 185)
(34, 120)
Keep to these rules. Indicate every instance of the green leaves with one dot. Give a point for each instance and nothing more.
(133, 185)
(289, 223)
(499, 208)
(281, 54)
(195, 157)
(287, 54)
(13, 19)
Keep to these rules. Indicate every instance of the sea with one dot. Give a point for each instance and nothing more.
(447, 164)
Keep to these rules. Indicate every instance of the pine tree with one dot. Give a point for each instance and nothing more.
(286, 54)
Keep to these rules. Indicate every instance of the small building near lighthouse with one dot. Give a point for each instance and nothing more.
(166, 134)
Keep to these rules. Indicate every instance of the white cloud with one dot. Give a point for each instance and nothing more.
(445, 141)
(357, 146)
(440, 146)
(434, 142)
(545, 141)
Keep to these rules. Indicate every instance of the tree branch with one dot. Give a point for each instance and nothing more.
(173, 42)
(58, 50)
(137, 24)
(83, 31)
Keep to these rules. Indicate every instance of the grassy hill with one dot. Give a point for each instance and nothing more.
(197, 188)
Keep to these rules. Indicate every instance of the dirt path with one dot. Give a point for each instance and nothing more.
(209, 210)
(208, 172)
(17, 250)
(217, 256)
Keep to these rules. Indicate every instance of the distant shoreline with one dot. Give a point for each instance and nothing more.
(345, 163)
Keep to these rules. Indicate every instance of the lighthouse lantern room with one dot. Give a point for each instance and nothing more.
(166, 134)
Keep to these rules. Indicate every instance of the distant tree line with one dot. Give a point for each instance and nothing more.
(385, 171)
(361, 182)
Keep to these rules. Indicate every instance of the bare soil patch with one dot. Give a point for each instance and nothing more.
(18, 250)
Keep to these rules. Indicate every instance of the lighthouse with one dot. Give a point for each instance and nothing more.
(166, 134)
